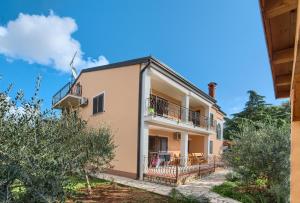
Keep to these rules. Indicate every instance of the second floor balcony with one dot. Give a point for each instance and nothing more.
(159, 107)
(70, 95)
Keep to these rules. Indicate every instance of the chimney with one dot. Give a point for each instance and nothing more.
(212, 89)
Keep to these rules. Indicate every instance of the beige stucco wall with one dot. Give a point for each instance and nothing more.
(217, 144)
(295, 162)
(121, 88)
(196, 144)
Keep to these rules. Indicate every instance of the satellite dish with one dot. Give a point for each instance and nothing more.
(73, 69)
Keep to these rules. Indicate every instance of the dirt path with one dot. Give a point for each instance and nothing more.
(115, 193)
(196, 188)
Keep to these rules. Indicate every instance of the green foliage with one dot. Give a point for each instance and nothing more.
(232, 177)
(261, 157)
(76, 183)
(256, 110)
(261, 150)
(178, 197)
(232, 190)
(39, 150)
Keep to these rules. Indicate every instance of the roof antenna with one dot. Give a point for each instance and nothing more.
(73, 69)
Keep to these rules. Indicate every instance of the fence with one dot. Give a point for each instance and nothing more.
(176, 170)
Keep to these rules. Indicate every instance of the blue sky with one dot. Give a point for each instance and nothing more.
(221, 41)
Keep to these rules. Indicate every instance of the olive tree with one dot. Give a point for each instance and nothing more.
(39, 150)
(261, 154)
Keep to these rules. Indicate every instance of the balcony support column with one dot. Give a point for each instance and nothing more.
(207, 114)
(184, 148)
(146, 90)
(206, 146)
(145, 149)
(144, 128)
(185, 103)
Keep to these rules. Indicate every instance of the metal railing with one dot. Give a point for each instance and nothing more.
(175, 169)
(67, 89)
(157, 106)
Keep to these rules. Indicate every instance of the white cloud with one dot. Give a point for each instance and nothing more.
(45, 40)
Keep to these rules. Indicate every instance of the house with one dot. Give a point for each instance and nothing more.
(158, 117)
(281, 21)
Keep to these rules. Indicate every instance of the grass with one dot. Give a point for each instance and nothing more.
(235, 191)
(77, 183)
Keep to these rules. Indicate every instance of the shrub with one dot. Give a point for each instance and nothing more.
(261, 158)
(178, 197)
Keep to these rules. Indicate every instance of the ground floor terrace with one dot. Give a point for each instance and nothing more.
(173, 156)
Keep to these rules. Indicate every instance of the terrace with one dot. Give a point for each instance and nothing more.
(179, 170)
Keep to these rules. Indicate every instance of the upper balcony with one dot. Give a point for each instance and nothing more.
(70, 95)
(162, 111)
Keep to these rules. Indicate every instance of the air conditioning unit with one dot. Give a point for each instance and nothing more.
(177, 136)
(83, 101)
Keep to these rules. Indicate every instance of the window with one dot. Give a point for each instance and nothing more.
(211, 147)
(98, 104)
(211, 120)
(194, 116)
(219, 131)
(158, 144)
(163, 144)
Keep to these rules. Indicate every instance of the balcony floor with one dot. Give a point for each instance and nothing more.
(68, 100)
(175, 124)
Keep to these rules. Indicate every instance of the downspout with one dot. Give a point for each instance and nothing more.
(140, 118)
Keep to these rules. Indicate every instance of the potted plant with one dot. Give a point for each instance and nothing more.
(151, 111)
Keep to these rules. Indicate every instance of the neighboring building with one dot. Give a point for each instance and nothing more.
(281, 21)
(152, 110)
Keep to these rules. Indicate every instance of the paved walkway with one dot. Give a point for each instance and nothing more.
(195, 188)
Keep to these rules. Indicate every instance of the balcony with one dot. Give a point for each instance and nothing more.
(160, 109)
(69, 96)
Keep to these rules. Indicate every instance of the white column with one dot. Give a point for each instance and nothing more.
(145, 148)
(206, 146)
(144, 129)
(185, 102)
(146, 91)
(207, 114)
(184, 148)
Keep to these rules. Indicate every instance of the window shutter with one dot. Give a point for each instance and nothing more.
(219, 131)
(211, 119)
(100, 103)
(211, 147)
(95, 105)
